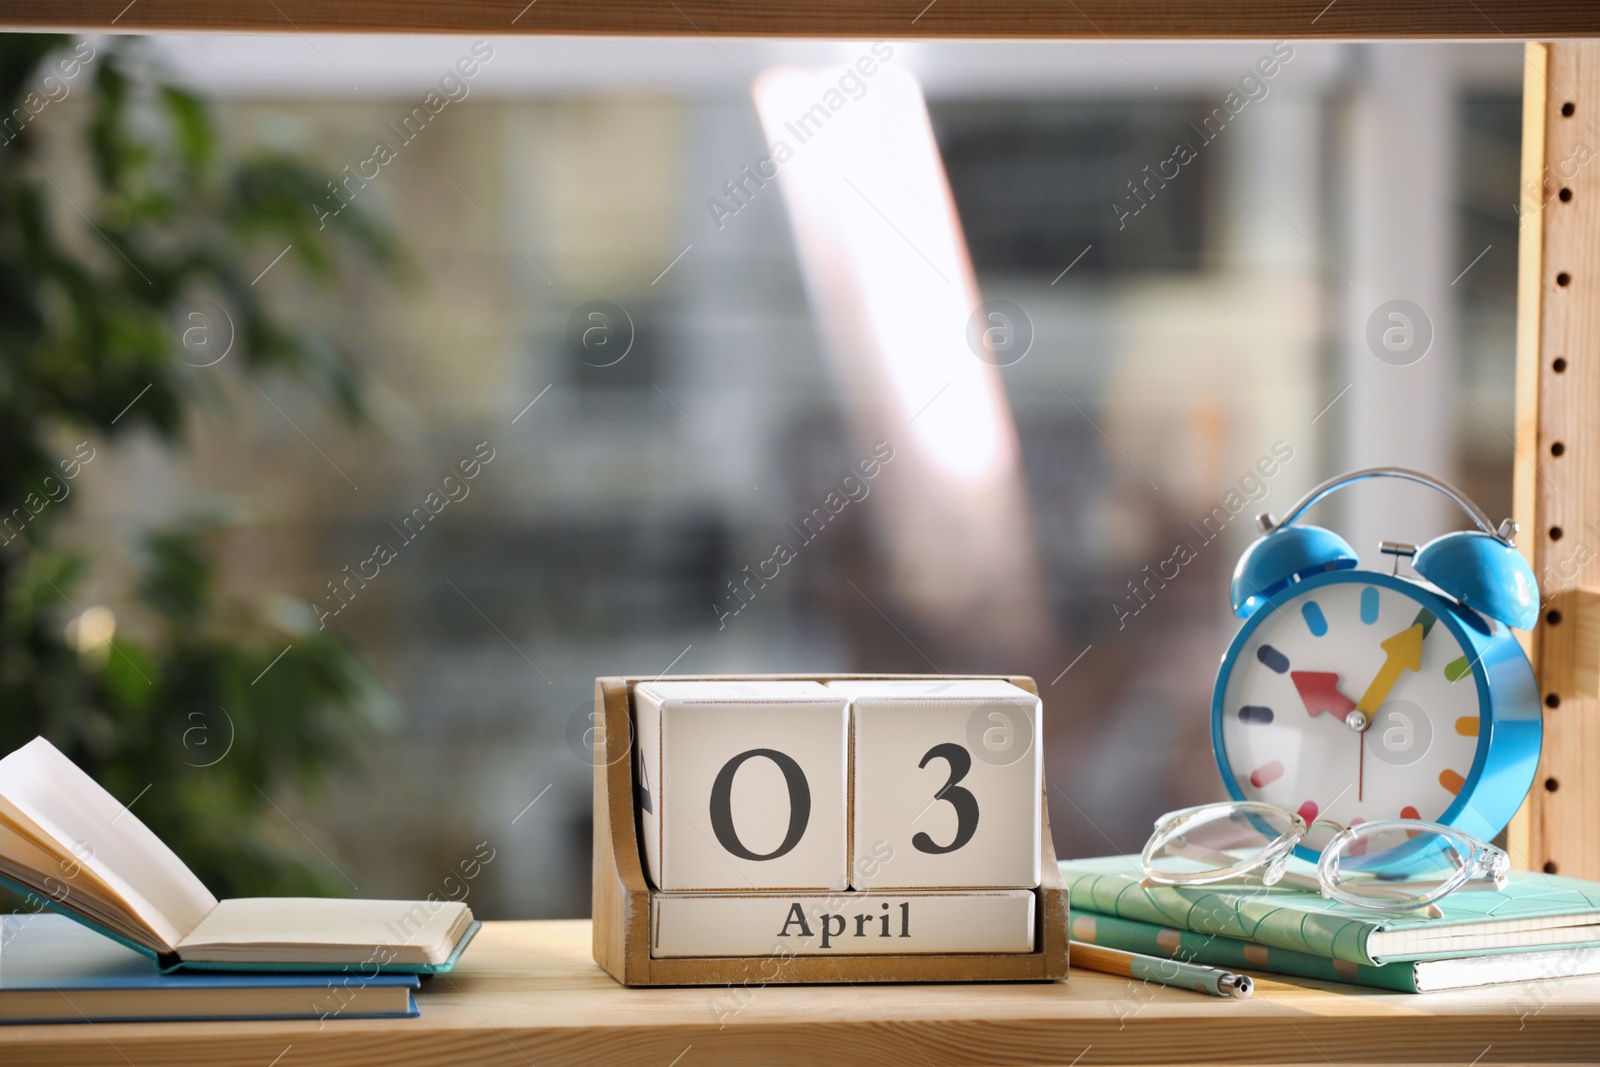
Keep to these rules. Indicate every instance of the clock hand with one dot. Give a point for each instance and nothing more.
(1361, 763)
(1319, 691)
(1404, 654)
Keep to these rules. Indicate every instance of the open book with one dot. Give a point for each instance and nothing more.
(65, 839)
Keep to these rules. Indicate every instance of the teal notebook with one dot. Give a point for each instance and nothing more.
(70, 846)
(1536, 911)
(1149, 939)
(56, 971)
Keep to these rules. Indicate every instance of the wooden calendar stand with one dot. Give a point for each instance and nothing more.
(622, 893)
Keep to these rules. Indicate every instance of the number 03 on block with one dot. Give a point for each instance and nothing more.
(860, 817)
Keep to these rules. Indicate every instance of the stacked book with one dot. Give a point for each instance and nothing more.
(137, 936)
(1542, 927)
(55, 970)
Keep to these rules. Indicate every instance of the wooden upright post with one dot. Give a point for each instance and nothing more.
(1558, 444)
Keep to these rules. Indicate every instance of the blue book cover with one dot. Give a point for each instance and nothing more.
(54, 970)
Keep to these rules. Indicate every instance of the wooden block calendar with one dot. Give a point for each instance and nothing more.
(795, 829)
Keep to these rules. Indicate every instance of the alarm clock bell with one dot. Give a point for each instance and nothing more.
(1282, 555)
(1481, 569)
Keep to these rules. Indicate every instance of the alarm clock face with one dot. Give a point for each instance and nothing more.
(1352, 702)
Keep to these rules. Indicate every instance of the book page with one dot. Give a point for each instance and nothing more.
(38, 857)
(63, 881)
(1458, 939)
(51, 798)
(320, 930)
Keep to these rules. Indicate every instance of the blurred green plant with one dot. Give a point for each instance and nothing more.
(103, 260)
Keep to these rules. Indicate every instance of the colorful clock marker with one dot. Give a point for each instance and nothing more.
(1308, 812)
(1272, 659)
(1451, 780)
(1255, 713)
(1457, 669)
(1267, 773)
(1467, 726)
(1409, 812)
(1316, 621)
(1369, 605)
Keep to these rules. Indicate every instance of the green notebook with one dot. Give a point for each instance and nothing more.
(1231, 954)
(1536, 911)
(68, 845)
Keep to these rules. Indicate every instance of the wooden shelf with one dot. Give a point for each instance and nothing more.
(1095, 20)
(529, 993)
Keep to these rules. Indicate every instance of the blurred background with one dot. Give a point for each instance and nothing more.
(580, 373)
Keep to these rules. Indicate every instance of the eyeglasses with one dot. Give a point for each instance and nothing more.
(1387, 865)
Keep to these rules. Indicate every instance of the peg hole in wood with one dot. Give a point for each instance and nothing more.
(1549, 866)
(1563, 279)
(1565, 194)
(1552, 617)
(1559, 364)
(1557, 448)
(1552, 700)
(1551, 785)
(1567, 109)
(1555, 533)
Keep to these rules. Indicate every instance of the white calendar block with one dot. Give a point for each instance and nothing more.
(946, 780)
(743, 784)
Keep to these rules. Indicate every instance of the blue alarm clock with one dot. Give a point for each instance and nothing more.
(1353, 695)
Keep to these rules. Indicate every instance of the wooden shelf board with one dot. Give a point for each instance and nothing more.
(1489, 20)
(529, 992)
